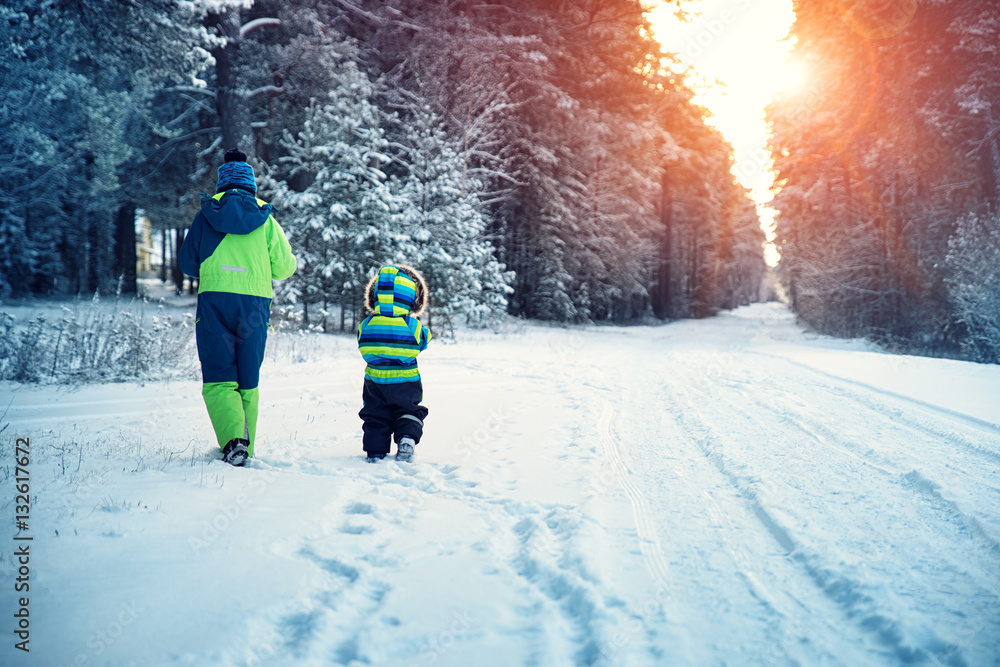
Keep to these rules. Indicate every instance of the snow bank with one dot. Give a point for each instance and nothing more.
(724, 491)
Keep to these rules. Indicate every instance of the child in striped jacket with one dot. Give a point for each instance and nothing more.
(390, 340)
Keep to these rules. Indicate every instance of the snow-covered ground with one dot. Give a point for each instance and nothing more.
(730, 491)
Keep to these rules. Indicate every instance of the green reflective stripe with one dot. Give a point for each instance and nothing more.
(388, 373)
(384, 351)
(225, 409)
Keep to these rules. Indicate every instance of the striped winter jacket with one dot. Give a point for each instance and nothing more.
(391, 337)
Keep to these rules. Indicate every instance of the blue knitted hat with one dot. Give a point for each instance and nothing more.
(236, 173)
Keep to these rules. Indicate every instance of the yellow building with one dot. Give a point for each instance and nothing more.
(147, 257)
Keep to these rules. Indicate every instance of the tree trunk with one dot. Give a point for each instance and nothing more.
(354, 310)
(662, 306)
(343, 309)
(163, 255)
(96, 245)
(990, 164)
(175, 265)
(125, 261)
(234, 114)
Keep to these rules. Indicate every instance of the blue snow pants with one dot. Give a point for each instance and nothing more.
(231, 332)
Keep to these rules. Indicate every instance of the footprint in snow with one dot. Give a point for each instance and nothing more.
(359, 508)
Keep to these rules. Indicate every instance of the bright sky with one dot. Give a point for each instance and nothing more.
(737, 49)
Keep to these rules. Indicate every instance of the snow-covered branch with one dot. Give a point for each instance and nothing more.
(264, 90)
(368, 16)
(214, 145)
(377, 20)
(482, 171)
(190, 89)
(398, 20)
(250, 26)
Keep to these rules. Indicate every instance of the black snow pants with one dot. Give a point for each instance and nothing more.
(390, 412)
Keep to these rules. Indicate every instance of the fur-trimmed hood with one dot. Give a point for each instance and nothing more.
(396, 290)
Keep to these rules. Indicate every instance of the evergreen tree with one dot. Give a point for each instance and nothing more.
(72, 86)
(559, 149)
(882, 162)
(974, 284)
(341, 220)
(442, 224)
(563, 115)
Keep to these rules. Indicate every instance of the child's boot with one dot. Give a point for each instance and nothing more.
(404, 451)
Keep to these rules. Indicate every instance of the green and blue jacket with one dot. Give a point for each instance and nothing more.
(391, 338)
(236, 246)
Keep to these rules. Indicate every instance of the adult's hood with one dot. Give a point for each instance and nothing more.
(235, 212)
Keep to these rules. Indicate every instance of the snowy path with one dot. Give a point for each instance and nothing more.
(727, 491)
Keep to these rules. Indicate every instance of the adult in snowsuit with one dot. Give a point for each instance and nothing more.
(390, 340)
(234, 248)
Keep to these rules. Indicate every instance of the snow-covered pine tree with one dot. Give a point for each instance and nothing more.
(441, 227)
(340, 222)
(559, 108)
(25, 150)
(72, 84)
(59, 135)
(973, 262)
(876, 177)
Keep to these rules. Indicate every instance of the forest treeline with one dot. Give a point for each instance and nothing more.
(542, 159)
(889, 168)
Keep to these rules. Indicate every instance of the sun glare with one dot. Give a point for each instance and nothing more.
(792, 77)
(738, 55)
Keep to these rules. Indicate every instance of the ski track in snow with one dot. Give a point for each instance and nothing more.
(649, 543)
(882, 484)
(691, 494)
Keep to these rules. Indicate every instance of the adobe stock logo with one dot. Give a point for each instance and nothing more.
(878, 19)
